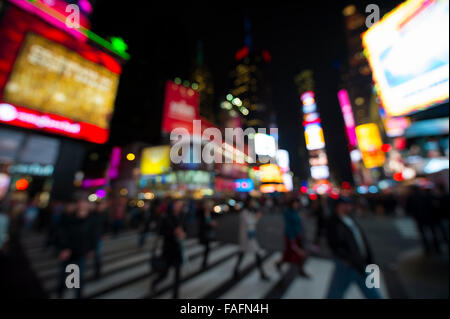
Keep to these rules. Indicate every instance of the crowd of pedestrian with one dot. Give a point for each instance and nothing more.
(75, 231)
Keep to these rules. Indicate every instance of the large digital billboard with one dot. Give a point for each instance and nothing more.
(53, 82)
(408, 51)
(180, 108)
(48, 77)
(314, 137)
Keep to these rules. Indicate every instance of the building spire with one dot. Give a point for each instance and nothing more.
(248, 36)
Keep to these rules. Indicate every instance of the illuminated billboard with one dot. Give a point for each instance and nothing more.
(396, 126)
(320, 172)
(288, 182)
(53, 82)
(314, 137)
(50, 78)
(270, 173)
(265, 145)
(180, 108)
(155, 160)
(349, 119)
(408, 51)
(370, 145)
(244, 185)
(282, 158)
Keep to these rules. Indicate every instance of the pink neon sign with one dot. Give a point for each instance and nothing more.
(58, 8)
(116, 155)
(347, 113)
(88, 183)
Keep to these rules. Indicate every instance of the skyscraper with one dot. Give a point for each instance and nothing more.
(358, 75)
(250, 92)
(201, 76)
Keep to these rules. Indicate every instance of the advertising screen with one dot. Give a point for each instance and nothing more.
(270, 173)
(50, 78)
(244, 185)
(288, 182)
(283, 160)
(265, 145)
(408, 51)
(370, 143)
(314, 136)
(396, 126)
(53, 82)
(180, 108)
(320, 172)
(155, 160)
(347, 113)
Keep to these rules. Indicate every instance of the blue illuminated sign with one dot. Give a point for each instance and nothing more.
(244, 185)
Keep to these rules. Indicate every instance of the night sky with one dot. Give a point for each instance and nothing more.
(162, 40)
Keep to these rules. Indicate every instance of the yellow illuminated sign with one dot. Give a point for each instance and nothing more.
(370, 143)
(314, 137)
(50, 78)
(155, 160)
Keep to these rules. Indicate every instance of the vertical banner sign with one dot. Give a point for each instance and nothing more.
(370, 145)
(315, 141)
(349, 119)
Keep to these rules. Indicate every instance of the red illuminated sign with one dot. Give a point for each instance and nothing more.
(51, 123)
(242, 53)
(180, 108)
(15, 26)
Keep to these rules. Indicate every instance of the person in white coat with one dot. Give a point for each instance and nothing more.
(248, 240)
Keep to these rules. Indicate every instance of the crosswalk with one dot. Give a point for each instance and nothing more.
(407, 228)
(127, 274)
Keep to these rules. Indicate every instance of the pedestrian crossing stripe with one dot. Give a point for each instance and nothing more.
(127, 273)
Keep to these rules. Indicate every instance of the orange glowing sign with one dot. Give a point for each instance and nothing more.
(270, 173)
(271, 188)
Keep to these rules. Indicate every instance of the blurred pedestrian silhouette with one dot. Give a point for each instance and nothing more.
(173, 251)
(206, 226)
(99, 219)
(31, 214)
(248, 240)
(152, 212)
(425, 211)
(294, 238)
(118, 215)
(77, 244)
(351, 251)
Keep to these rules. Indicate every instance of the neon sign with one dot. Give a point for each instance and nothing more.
(314, 138)
(349, 119)
(22, 117)
(244, 185)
